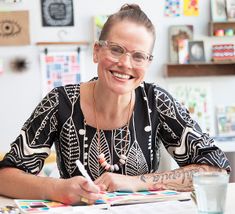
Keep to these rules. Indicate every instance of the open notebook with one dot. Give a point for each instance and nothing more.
(109, 199)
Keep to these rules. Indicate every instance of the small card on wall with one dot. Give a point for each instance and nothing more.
(14, 28)
(172, 8)
(191, 8)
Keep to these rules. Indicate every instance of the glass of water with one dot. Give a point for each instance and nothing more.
(210, 189)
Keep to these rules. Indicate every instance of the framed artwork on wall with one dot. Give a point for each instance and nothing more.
(196, 51)
(57, 13)
(230, 9)
(218, 10)
(178, 33)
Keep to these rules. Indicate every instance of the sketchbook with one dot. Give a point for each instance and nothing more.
(109, 199)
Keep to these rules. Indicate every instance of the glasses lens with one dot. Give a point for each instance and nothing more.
(139, 57)
(116, 50)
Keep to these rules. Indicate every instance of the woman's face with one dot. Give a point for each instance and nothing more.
(123, 75)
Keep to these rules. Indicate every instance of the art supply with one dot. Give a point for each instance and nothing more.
(9, 210)
(210, 189)
(125, 198)
(40, 206)
(83, 170)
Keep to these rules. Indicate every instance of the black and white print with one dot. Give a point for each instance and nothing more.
(57, 13)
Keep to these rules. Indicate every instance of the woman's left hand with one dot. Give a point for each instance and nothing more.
(116, 182)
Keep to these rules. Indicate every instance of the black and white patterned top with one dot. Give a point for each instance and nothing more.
(157, 118)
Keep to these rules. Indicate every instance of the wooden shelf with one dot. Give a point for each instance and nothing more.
(202, 69)
(62, 43)
(213, 26)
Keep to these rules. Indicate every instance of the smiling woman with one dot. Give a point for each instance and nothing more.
(114, 124)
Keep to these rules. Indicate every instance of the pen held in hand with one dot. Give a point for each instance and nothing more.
(83, 170)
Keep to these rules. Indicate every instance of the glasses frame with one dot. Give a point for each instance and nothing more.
(106, 43)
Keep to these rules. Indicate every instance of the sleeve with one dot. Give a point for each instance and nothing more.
(37, 135)
(182, 136)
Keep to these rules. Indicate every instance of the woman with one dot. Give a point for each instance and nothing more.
(113, 124)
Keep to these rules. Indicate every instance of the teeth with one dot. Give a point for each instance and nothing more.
(122, 76)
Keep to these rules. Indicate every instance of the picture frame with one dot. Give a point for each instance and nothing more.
(218, 10)
(176, 33)
(196, 51)
(57, 13)
(230, 10)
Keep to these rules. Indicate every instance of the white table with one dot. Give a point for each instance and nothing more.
(171, 207)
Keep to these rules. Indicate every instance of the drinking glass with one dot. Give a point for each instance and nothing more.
(210, 189)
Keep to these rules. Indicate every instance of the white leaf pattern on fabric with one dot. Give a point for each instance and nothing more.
(165, 105)
(70, 146)
(121, 141)
(49, 102)
(94, 166)
(73, 92)
(136, 163)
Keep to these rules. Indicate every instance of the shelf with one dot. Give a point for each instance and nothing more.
(213, 26)
(202, 69)
(62, 43)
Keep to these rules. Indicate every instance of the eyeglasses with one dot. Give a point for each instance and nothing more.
(116, 51)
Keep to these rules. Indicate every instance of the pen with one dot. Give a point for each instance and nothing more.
(85, 174)
(83, 171)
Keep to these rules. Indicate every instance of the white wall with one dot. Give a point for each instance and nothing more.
(19, 93)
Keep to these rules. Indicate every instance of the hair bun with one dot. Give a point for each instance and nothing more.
(130, 7)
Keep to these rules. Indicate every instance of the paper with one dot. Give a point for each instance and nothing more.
(123, 198)
(168, 207)
(225, 116)
(60, 68)
(172, 8)
(197, 98)
(191, 8)
(109, 200)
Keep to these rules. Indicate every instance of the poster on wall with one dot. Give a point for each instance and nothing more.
(197, 98)
(60, 68)
(14, 28)
(57, 13)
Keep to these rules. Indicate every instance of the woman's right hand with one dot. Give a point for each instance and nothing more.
(75, 190)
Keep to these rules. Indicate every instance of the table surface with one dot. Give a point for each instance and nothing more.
(153, 207)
